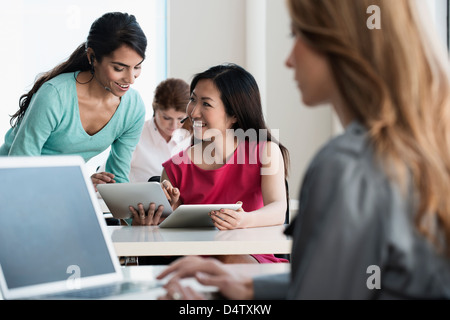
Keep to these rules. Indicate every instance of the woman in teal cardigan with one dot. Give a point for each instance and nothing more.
(86, 104)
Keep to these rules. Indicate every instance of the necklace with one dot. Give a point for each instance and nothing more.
(75, 77)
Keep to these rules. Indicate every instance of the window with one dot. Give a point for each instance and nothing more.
(38, 35)
(440, 11)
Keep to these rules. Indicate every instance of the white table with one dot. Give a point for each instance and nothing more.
(155, 241)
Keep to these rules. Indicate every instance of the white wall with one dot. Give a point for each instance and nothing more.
(11, 84)
(303, 130)
(438, 10)
(255, 35)
(203, 33)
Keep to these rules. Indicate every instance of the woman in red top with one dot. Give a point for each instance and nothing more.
(233, 158)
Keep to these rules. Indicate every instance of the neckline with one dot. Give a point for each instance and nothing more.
(232, 157)
(80, 124)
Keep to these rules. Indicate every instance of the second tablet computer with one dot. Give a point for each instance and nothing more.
(120, 196)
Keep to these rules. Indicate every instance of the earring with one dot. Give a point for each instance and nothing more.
(92, 64)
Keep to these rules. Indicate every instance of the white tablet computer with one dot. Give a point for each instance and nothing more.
(119, 197)
(194, 215)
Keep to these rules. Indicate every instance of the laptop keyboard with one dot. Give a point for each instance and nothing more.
(92, 293)
(104, 291)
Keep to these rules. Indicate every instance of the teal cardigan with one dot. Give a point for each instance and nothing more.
(52, 126)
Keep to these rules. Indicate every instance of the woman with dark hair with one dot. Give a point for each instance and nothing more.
(234, 158)
(86, 104)
(241, 98)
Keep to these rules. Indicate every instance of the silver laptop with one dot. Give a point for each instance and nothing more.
(54, 243)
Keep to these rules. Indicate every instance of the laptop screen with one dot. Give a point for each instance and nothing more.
(49, 228)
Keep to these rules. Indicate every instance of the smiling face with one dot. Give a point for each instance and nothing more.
(118, 71)
(207, 111)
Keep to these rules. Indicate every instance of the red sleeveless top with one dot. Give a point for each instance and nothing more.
(237, 180)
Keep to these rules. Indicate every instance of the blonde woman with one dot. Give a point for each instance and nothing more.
(374, 217)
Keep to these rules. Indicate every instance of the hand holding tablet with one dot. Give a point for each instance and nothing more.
(194, 215)
(120, 196)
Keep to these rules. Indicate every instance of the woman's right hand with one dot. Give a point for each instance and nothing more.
(208, 272)
(172, 194)
(102, 178)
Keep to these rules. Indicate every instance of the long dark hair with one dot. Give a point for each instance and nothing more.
(107, 33)
(241, 98)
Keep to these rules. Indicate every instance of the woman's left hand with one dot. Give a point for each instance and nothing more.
(227, 219)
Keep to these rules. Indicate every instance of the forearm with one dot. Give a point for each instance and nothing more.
(270, 215)
(119, 159)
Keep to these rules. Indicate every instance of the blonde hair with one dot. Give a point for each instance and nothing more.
(396, 81)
